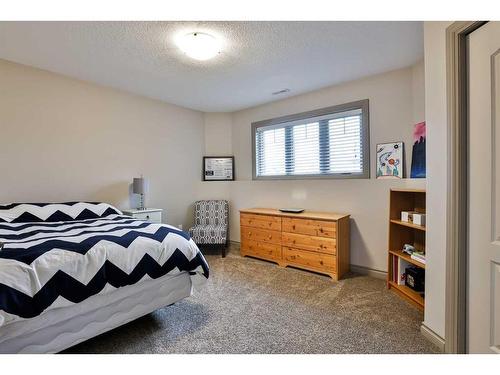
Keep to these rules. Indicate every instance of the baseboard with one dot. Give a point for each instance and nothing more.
(432, 336)
(369, 272)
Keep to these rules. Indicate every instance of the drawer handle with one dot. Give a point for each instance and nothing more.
(270, 236)
(293, 226)
(147, 217)
(321, 230)
(249, 233)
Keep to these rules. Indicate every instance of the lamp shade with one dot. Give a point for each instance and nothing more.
(139, 185)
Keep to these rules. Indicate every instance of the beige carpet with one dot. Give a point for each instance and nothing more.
(251, 306)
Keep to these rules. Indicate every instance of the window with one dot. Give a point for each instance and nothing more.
(330, 142)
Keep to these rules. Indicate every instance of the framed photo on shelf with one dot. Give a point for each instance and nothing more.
(218, 168)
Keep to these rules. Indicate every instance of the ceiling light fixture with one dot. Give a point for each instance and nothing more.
(199, 46)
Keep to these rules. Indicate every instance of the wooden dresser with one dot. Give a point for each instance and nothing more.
(315, 241)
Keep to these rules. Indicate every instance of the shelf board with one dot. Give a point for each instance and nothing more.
(415, 297)
(409, 225)
(408, 258)
(402, 190)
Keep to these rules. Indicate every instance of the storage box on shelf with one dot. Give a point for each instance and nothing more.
(401, 233)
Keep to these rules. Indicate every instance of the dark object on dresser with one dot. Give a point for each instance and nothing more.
(292, 210)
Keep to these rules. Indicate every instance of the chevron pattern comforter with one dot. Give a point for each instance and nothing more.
(55, 255)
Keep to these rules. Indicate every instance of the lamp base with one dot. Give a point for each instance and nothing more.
(141, 202)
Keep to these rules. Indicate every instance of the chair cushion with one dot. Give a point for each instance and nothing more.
(211, 212)
(209, 234)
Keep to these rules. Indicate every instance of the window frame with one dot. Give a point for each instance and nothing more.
(362, 105)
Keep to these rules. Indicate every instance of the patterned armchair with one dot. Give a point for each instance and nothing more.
(211, 223)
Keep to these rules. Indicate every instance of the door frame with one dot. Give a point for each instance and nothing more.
(457, 199)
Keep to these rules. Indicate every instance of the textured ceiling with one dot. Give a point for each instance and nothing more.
(257, 58)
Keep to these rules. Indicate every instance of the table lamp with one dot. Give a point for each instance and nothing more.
(139, 187)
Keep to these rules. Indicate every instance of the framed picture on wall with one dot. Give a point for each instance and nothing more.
(218, 168)
(390, 160)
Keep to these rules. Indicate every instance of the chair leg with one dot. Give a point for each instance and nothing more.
(223, 251)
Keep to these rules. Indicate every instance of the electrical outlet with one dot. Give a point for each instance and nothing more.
(179, 226)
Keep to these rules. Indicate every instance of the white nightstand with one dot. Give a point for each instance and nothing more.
(150, 214)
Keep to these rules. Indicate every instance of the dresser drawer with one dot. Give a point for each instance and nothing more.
(310, 227)
(254, 234)
(261, 221)
(264, 250)
(318, 244)
(154, 217)
(310, 260)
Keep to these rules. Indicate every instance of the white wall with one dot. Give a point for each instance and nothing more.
(396, 103)
(63, 139)
(435, 111)
(418, 92)
(218, 134)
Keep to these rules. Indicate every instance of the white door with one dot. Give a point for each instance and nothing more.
(483, 315)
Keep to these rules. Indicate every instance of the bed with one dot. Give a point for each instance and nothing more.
(71, 271)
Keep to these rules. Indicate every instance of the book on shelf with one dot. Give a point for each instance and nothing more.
(395, 269)
(402, 264)
(419, 257)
